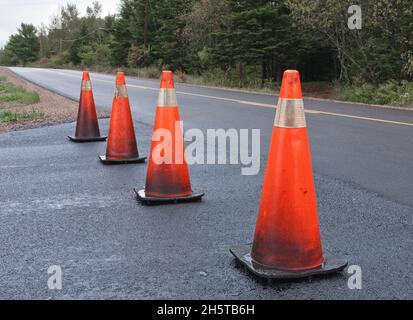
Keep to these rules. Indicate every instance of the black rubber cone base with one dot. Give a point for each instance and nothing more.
(243, 255)
(156, 200)
(84, 140)
(107, 161)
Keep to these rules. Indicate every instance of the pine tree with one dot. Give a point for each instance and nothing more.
(122, 34)
(168, 39)
(259, 33)
(76, 46)
(25, 44)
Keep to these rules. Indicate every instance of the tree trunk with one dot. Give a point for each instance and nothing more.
(241, 74)
(146, 26)
(279, 73)
(264, 75)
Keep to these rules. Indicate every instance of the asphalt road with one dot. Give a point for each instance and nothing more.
(60, 206)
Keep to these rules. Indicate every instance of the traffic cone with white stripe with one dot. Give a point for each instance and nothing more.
(168, 178)
(122, 147)
(287, 238)
(87, 128)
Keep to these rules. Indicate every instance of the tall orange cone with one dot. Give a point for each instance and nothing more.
(87, 128)
(122, 147)
(287, 238)
(167, 181)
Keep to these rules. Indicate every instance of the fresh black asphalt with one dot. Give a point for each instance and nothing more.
(60, 206)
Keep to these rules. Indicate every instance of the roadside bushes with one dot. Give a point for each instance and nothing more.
(58, 61)
(390, 92)
(232, 78)
(95, 55)
(144, 72)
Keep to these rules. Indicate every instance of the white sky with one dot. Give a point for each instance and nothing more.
(14, 12)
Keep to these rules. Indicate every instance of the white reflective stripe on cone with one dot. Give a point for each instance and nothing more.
(290, 114)
(121, 91)
(86, 85)
(167, 98)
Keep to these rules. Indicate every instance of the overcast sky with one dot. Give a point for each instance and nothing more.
(14, 12)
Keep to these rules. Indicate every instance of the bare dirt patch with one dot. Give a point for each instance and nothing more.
(53, 108)
(322, 90)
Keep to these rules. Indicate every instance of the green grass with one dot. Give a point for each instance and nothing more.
(11, 93)
(390, 92)
(11, 116)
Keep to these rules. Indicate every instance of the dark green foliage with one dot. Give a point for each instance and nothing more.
(123, 32)
(23, 47)
(259, 33)
(75, 48)
(161, 40)
(244, 42)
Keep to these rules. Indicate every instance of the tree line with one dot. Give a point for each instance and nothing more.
(242, 39)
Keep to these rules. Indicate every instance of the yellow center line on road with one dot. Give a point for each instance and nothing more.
(362, 118)
(252, 103)
(142, 87)
(310, 111)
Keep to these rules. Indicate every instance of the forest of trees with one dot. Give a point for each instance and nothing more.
(238, 39)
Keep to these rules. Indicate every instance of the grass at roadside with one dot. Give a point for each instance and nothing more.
(390, 93)
(11, 93)
(14, 96)
(12, 116)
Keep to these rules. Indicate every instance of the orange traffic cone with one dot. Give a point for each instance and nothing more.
(167, 181)
(122, 147)
(287, 238)
(87, 129)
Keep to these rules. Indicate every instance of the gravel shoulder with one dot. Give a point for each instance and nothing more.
(54, 108)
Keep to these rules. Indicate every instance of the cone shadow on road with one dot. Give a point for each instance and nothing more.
(282, 284)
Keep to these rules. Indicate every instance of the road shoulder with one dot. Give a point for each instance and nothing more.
(51, 109)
